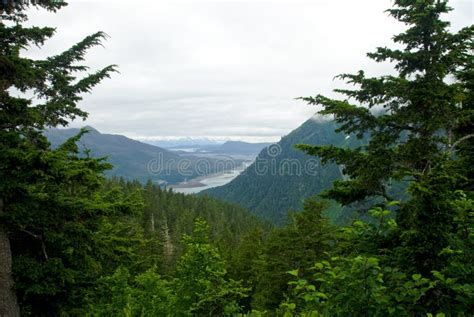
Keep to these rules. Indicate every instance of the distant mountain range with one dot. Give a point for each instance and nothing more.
(282, 176)
(137, 160)
(236, 147)
(198, 142)
(201, 145)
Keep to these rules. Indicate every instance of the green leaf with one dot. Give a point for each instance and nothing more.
(293, 272)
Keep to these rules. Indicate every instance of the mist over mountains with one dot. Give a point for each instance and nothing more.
(188, 142)
(210, 145)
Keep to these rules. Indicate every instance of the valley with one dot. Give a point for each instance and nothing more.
(179, 166)
(201, 183)
(170, 201)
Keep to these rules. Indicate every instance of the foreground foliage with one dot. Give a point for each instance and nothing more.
(420, 125)
(46, 197)
(84, 245)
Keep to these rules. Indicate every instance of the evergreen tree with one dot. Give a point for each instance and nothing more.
(119, 294)
(420, 107)
(26, 162)
(297, 246)
(61, 231)
(420, 124)
(201, 284)
(412, 118)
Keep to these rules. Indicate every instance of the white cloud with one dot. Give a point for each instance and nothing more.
(221, 68)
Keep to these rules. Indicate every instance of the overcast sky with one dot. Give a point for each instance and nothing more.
(221, 69)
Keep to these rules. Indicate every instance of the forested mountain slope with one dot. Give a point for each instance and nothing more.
(282, 176)
(125, 226)
(167, 215)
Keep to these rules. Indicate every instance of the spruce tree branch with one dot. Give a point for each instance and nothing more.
(77, 52)
(40, 238)
(36, 236)
(464, 138)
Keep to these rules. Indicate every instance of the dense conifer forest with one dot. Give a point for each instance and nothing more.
(75, 243)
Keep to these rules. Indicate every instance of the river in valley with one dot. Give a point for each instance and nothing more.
(209, 181)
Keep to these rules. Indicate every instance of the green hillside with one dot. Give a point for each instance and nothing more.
(282, 176)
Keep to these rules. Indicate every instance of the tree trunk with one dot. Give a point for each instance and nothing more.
(167, 245)
(152, 221)
(8, 303)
